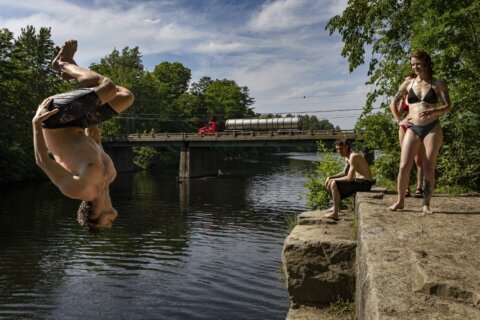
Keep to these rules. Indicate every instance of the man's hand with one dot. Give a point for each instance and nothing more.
(328, 181)
(43, 113)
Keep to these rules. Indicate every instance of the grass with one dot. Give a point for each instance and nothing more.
(342, 308)
(290, 222)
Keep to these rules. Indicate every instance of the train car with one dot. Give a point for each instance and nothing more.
(267, 124)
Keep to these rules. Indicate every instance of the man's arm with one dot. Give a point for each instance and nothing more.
(338, 175)
(348, 176)
(70, 185)
(94, 133)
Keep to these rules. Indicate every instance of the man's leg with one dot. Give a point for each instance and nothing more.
(118, 98)
(336, 201)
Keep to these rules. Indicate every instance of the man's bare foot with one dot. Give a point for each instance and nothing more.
(427, 211)
(56, 60)
(332, 215)
(68, 51)
(65, 54)
(396, 206)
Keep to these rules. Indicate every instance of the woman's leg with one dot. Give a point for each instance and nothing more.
(432, 142)
(410, 146)
(419, 163)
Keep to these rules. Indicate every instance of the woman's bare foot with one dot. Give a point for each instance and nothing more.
(396, 206)
(331, 215)
(427, 211)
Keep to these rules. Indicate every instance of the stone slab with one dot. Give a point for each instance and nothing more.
(411, 266)
(318, 261)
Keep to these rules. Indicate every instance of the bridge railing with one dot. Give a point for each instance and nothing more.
(236, 135)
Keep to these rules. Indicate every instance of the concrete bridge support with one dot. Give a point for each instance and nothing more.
(122, 158)
(197, 162)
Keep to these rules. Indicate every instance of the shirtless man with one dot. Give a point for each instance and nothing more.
(66, 124)
(355, 177)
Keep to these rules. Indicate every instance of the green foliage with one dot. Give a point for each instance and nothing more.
(342, 308)
(449, 31)
(378, 132)
(318, 196)
(225, 97)
(143, 157)
(312, 123)
(25, 80)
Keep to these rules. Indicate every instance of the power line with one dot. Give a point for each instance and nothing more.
(312, 96)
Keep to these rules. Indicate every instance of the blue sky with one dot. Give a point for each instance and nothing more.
(279, 49)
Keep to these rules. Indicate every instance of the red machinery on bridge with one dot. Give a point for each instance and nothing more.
(210, 128)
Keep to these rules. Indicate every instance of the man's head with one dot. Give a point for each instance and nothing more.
(93, 222)
(342, 147)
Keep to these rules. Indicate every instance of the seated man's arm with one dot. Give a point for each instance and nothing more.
(351, 170)
(338, 175)
(70, 185)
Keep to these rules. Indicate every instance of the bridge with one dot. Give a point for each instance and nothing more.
(197, 152)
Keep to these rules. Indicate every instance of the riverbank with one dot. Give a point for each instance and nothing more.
(407, 266)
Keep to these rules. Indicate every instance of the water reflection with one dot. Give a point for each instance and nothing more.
(206, 249)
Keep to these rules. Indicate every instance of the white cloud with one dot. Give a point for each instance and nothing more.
(289, 14)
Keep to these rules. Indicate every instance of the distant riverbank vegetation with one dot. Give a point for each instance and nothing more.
(165, 98)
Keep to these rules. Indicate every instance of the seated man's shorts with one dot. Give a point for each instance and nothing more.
(347, 188)
(78, 108)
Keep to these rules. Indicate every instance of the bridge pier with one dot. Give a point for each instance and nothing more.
(122, 158)
(197, 162)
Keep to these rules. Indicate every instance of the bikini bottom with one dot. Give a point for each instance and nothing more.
(423, 131)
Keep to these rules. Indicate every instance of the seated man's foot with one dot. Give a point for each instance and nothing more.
(332, 215)
(396, 206)
(427, 211)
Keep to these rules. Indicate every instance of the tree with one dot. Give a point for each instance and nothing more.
(446, 29)
(312, 123)
(225, 97)
(26, 79)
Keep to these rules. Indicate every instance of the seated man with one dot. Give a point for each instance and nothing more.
(66, 124)
(355, 177)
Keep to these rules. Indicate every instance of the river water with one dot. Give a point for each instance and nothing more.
(206, 249)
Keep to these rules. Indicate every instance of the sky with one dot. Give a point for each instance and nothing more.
(279, 49)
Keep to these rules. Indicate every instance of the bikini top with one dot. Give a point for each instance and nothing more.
(430, 97)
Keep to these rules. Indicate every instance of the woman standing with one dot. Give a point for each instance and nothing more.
(423, 94)
(402, 130)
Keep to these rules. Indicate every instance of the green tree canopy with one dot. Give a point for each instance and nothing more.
(226, 98)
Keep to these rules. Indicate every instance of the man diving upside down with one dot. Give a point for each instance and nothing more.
(66, 124)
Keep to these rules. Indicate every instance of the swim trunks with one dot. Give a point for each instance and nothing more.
(347, 188)
(78, 108)
(423, 131)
